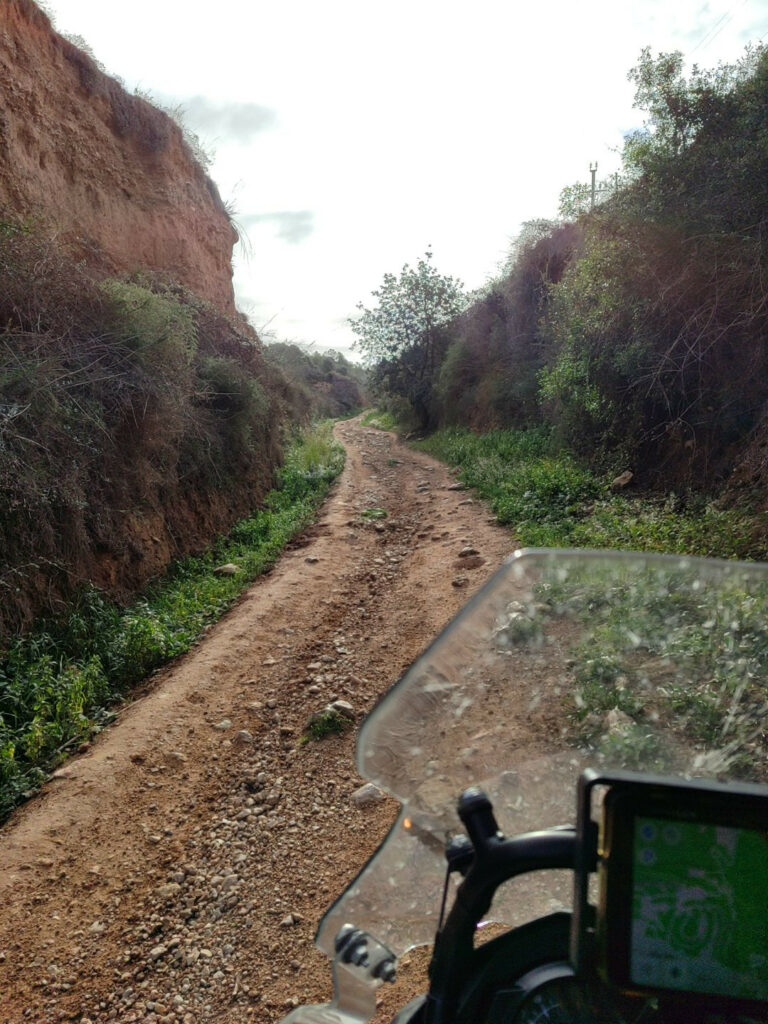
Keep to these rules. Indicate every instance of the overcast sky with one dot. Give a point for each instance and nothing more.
(350, 135)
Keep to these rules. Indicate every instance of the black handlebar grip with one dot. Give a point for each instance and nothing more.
(476, 813)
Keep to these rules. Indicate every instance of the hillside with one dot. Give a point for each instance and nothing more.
(104, 169)
(138, 416)
(635, 332)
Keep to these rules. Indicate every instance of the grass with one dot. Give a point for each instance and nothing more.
(57, 683)
(664, 651)
(327, 723)
(380, 419)
(705, 646)
(551, 500)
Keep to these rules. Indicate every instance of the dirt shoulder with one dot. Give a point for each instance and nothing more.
(176, 871)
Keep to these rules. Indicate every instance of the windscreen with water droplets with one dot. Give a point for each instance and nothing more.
(564, 660)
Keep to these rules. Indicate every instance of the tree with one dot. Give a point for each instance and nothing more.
(403, 338)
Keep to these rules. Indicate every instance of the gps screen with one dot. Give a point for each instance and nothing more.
(700, 908)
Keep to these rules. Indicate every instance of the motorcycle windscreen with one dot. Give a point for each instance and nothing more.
(563, 660)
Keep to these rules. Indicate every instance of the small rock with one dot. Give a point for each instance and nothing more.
(618, 722)
(230, 569)
(64, 773)
(170, 889)
(622, 480)
(176, 757)
(288, 921)
(342, 707)
(243, 738)
(456, 487)
(467, 551)
(223, 725)
(311, 559)
(367, 795)
(97, 928)
(459, 582)
(156, 952)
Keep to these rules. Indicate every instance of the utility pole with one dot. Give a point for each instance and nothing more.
(595, 190)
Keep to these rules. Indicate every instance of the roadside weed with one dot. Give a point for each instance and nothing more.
(56, 682)
(327, 723)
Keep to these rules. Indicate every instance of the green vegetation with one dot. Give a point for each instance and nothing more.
(636, 334)
(665, 648)
(56, 682)
(129, 410)
(380, 419)
(373, 513)
(326, 723)
(550, 500)
(326, 383)
(403, 337)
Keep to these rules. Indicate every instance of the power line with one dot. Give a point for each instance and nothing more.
(717, 28)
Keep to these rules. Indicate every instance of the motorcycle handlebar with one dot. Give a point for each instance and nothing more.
(496, 860)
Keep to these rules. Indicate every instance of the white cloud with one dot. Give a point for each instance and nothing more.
(228, 121)
(292, 226)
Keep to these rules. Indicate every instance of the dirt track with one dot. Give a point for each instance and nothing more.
(176, 871)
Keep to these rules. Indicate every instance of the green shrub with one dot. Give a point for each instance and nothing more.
(380, 419)
(158, 331)
(56, 681)
(327, 723)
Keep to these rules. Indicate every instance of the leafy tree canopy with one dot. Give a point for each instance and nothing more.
(403, 338)
(678, 108)
(409, 310)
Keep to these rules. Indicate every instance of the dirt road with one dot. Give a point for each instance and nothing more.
(176, 871)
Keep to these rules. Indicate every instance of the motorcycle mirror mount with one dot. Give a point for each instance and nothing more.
(360, 960)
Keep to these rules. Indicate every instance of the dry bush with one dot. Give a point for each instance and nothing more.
(91, 76)
(489, 377)
(660, 348)
(126, 411)
(132, 116)
(135, 117)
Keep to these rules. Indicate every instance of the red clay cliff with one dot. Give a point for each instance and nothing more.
(104, 169)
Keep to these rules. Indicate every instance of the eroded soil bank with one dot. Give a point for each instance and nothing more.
(176, 871)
